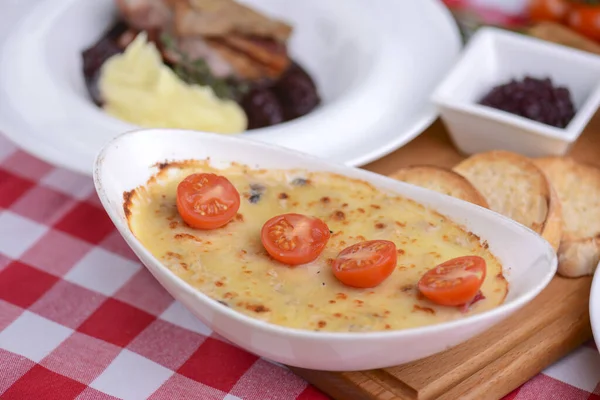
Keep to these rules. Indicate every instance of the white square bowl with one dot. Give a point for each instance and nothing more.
(495, 56)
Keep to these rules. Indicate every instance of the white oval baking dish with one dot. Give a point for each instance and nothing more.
(129, 160)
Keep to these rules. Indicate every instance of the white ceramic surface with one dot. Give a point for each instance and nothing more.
(494, 56)
(529, 261)
(595, 306)
(375, 67)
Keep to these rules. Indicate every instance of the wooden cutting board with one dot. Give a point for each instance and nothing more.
(498, 361)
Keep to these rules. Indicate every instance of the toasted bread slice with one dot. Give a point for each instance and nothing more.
(578, 188)
(515, 187)
(441, 180)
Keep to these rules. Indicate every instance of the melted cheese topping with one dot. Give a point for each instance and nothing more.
(231, 266)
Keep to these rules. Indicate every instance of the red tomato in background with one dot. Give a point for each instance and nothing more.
(585, 19)
(549, 10)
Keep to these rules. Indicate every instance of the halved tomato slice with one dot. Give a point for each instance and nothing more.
(294, 239)
(207, 201)
(454, 282)
(365, 264)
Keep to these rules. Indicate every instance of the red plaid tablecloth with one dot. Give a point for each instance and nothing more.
(81, 318)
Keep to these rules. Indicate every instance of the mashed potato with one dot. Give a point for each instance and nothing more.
(138, 88)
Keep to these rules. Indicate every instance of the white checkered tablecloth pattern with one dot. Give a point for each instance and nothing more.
(81, 318)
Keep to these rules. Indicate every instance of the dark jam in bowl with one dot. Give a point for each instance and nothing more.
(533, 98)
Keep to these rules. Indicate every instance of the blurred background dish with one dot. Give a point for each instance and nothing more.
(374, 69)
(209, 65)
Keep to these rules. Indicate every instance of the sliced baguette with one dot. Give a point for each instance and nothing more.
(578, 188)
(515, 187)
(441, 180)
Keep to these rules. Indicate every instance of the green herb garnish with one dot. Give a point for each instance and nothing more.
(197, 72)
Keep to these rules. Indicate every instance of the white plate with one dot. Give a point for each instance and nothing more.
(595, 306)
(375, 63)
(529, 261)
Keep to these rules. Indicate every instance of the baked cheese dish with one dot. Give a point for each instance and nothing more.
(337, 284)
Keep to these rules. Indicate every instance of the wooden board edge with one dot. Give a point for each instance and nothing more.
(345, 385)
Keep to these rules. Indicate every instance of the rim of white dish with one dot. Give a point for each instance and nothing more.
(17, 128)
(305, 333)
(594, 305)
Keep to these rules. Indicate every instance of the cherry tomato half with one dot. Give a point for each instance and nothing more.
(585, 19)
(207, 201)
(365, 264)
(294, 239)
(454, 282)
(548, 10)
